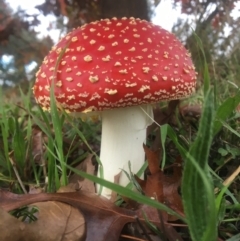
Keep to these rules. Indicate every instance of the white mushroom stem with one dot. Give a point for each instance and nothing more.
(123, 135)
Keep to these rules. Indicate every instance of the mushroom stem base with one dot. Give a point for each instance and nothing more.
(123, 135)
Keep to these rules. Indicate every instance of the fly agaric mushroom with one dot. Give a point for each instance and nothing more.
(118, 67)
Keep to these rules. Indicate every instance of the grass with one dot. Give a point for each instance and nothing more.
(41, 149)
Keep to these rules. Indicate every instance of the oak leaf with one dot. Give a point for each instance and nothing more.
(162, 187)
(55, 221)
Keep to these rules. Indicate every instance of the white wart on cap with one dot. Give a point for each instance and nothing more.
(115, 63)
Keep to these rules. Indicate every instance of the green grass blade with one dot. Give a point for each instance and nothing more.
(163, 134)
(51, 187)
(227, 126)
(4, 124)
(224, 112)
(18, 145)
(234, 238)
(174, 138)
(220, 202)
(57, 126)
(234, 206)
(197, 188)
(206, 76)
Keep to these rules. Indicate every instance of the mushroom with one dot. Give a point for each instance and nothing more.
(117, 67)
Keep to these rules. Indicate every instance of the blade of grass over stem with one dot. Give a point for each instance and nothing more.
(197, 187)
(126, 192)
(131, 177)
(163, 134)
(57, 126)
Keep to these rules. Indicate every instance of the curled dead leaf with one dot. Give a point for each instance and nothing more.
(162, 187)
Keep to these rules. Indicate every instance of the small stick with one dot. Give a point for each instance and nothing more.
(17, 175)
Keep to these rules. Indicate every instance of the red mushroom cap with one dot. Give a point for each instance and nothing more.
(115, 63)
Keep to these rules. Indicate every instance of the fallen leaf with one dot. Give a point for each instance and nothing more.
(55, 221)
(33, 189)
(38, 147)
(160, 186)
(166, 228)
(104, 220)
(77, 182)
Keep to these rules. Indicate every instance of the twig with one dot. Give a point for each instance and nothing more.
(17, 175)
(131, 237)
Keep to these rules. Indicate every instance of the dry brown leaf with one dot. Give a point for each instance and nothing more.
(77, 182)
(116, 181)
(161, 217)
(56, 221)
(10, 227)
(33, 189)
(38, 147)
(104, 220)
(160, 186)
